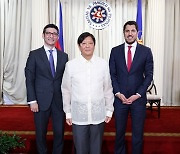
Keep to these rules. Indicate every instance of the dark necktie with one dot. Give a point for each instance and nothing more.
(51, 61)
(129, 58)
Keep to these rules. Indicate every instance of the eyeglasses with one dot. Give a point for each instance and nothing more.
(53, 34)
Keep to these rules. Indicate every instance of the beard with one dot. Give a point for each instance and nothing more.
(128, 42)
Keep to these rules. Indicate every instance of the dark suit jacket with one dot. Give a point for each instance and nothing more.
(40, 84)
(140, 75)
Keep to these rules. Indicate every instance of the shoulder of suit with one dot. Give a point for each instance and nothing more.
(118, 48)
(61, 52)
(144, 49)
(37, 50)
(143, 46)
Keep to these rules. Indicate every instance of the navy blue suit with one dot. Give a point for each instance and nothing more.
(129, 83)
(46, 90)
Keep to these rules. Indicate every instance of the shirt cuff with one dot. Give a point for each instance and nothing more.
(31, 102)
(109, 113)
(117, 93)
(138, 94)
(68, 116)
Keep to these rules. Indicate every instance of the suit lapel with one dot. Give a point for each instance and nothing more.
(122, 58)
(45, 60)
(59, 61)
(136, 57)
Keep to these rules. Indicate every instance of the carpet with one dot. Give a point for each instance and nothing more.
(161, 135)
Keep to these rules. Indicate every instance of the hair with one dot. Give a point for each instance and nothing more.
(50, 26)
(83, 36)
(130, 23)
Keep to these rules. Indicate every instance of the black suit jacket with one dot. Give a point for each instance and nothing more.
(40, 84)
(140, 75)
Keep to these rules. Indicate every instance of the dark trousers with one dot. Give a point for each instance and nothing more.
(137, 112)
(41, 119)
(88, 138)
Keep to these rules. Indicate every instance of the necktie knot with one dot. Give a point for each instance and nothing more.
(50, 51)
(129, 47)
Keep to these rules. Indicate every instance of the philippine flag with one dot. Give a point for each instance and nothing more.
(60, 42)
(139, 21)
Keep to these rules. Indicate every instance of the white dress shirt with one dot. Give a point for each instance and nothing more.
(133, 49)
(54, 54)
(87, 91)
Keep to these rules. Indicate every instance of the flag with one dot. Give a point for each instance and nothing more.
(139, 21)
(60, 42)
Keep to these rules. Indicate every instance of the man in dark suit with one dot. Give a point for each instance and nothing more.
(44, 89)
(131, 74)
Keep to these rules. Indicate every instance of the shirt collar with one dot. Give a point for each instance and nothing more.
(86, 61)
(47, 48)
(133, 45)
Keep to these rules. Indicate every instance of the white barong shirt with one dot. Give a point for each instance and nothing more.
(87, 91)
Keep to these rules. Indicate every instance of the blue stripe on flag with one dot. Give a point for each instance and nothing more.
(61, 41)
(139, 18)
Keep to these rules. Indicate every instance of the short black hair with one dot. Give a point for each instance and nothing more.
(130, 23)
(50, 26)
(83, 36)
